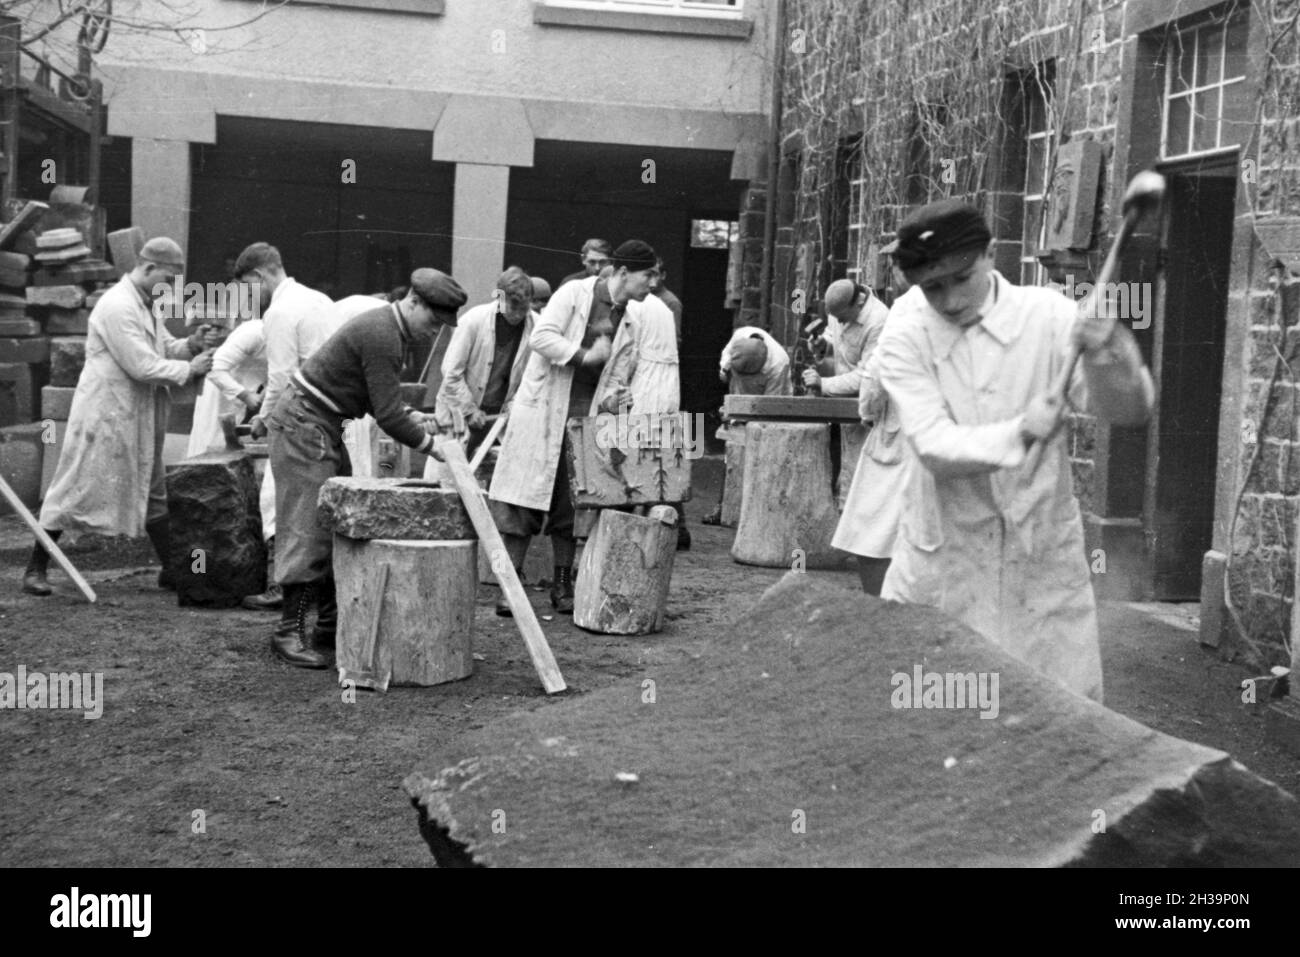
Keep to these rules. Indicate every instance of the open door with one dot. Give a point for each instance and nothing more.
(1192, 299)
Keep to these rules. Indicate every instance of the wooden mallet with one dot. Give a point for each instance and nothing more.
(1144, 194)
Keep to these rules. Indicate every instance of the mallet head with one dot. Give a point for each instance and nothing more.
(1144, 193)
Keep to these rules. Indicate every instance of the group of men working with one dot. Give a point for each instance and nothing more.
(602, 343)
(961, 497)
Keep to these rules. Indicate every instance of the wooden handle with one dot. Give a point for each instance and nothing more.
(499, 559)
(46, 542)
(488, 441)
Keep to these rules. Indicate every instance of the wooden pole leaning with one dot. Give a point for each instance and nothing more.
(46, 542)
(472, 497)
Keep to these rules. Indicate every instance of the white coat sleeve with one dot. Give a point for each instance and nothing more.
(548, 335)
(242, 344)
(130, 345)
(946, 448)
(281, 356)
(455, 390)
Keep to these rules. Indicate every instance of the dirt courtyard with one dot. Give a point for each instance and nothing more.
(201, 725)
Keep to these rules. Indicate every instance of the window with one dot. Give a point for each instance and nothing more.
(1204, 78)
(1037, 86)
(706, 8)
(713, 233)
(859, 241)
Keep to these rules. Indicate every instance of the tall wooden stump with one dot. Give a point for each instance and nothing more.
(787, 512)
(733, 483)
(623, 579)
(406, 611)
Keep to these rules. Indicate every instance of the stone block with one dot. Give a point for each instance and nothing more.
(806, 695)
(15, 262)
(15, 279)
(70, 254)
(1212, 599)
(20, 327)
(74, 273)
(217, 550)
(124, 247)
(20, 463)
(67, 356)
(68, 322)
(20, 392)
(53, 448)
(56, 401)
(31, 349)
(369, 508)
(65, 297)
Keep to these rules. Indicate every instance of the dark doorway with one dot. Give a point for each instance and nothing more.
(1190, 332)
(706, 320)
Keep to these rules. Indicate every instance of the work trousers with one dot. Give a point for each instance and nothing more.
(306, 450)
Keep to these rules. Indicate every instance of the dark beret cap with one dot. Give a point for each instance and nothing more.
(439, 290)
(934, 231)
(635, 255)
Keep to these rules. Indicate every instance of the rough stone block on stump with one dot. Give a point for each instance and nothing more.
(367, 508)
(124, 247)
(627, 566)
(406, 611)
(217, 551)
(637, 459)
(67, 356)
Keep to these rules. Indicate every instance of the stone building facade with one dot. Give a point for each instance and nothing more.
(887, 106)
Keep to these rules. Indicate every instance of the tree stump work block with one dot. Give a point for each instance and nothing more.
(627, 566)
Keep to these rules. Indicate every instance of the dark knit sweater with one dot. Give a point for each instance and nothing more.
(359, 370)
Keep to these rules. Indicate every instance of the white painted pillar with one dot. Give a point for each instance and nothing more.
(160, 188)
(479, 228)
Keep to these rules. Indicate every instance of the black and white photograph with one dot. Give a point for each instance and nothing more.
(765, 434)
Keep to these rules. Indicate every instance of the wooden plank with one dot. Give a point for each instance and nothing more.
(805, 408)
(48, 543)
(470, 494)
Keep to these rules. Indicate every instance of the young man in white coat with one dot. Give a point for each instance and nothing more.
(856, 317)
(110, 477)
(569, 347)
(970, 361)
(485, 358)
(296, 322)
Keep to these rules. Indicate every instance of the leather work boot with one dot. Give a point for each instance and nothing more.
(159, 532)
(327, 618)
(38, 566)
(289, 641)
(273, 598)
(562, 590)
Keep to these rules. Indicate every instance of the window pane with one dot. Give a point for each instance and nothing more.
(1236, 50)
(1036, 165)
(1206, 136)
(1238, 114)
(1209, 59)
(1181, 56)
(1176, 127)
(711, 233)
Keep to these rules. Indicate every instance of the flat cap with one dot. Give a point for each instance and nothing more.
(936, 230)
(748, 356)
(636, 255)
(439, 290)
(163, 252)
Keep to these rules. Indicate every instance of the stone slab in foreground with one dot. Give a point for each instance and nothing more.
(369, 508)
(781, 746)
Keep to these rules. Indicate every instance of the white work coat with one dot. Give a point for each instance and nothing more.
(239, 365)
(297, 323)
(467, 364)
(643, 359)
(874, 503)
(118, 418)
(772, 379)
(530, 451)
(995, 546)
